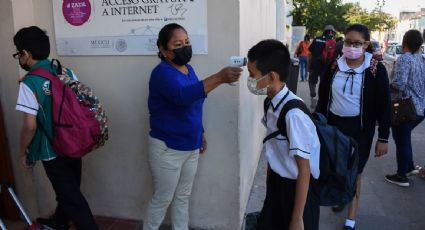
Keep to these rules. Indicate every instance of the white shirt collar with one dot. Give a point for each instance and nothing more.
(342, 63)
(276, 100)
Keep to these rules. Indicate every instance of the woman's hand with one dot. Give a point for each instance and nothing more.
(381, 149)
(230, 74)
(204, 145)
(225, 75)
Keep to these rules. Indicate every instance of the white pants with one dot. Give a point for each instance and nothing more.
(173, 173)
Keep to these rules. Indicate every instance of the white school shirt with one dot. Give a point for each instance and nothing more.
(302, 134)
(347, 88)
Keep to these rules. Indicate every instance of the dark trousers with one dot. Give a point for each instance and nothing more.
(65, 175)
(313, 79)
(279, 204)
(350, 126)
(402, 135)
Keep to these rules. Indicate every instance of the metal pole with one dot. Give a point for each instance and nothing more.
(2, 225)
(19, 205)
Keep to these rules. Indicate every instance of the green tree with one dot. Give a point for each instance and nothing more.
(375, 20)
(315, 14)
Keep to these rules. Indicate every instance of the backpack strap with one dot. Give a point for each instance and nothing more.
(58, 66)
(281, 122)
(43, 73)
(266, 105)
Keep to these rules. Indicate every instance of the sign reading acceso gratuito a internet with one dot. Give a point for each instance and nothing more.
(125, 27)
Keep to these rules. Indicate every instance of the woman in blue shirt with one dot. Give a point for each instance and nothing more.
(176, 96)
(409, 80)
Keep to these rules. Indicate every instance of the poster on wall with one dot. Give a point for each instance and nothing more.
(125, 27)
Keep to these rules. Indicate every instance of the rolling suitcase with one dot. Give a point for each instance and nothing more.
(24, 215)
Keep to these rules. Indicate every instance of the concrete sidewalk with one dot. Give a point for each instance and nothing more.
(383, 206)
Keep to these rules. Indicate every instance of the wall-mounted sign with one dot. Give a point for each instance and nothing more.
(125, 27)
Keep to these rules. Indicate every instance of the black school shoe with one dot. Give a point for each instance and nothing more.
(398, 180)
(52, 223)
(348, 228)
(338, 208)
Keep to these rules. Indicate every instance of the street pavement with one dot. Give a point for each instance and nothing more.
(383, 206)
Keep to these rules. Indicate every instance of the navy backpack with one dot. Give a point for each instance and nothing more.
(339, 158)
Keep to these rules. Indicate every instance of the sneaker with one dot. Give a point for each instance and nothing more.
(398, 180)
(414, 171)
(348, 228)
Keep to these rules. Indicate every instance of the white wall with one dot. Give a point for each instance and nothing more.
(116, 178)
(257, 22)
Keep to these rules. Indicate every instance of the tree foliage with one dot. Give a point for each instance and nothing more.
(315, 14)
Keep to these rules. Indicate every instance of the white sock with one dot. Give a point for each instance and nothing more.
(350, 223)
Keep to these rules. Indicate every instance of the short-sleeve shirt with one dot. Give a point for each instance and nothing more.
(35, 98)
(302, 136)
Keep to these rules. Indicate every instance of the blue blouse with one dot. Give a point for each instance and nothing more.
(175, 106)
(409, 78)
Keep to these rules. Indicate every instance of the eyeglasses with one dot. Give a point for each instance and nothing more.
(354, 44)
(17, 55)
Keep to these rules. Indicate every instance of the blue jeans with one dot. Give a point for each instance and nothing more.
(403, 141)
(303, 67)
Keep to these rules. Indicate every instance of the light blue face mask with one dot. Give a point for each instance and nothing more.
(252, 86)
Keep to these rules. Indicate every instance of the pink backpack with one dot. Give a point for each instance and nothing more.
(79, 127)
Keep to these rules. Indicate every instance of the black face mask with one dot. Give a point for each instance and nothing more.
(182, 55)
(25, 67)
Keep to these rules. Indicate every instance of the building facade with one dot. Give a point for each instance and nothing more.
(116, 178)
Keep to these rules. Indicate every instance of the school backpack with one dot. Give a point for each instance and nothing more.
(329, 50)
(79, 121)
(339, 158)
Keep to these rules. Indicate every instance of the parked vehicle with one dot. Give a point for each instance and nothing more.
(390, 56)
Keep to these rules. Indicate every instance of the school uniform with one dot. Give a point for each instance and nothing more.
(355, 100)
(301, 141)
(64, 173)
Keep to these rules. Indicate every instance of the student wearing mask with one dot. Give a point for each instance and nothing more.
(317, 62)
(176, 138)
(294, 158)
(35, 102)
(354, 95)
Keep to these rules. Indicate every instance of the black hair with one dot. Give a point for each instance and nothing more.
(33, 40)
(359, 28)
(413, 40)
(364, 31)
(165, 35)
(307, 37)
(271, 55)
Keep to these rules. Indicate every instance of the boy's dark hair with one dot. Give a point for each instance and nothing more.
(307, 37)
(364, 31)
(413, 40)
(34, 40)
(271, 55)
(166, 34)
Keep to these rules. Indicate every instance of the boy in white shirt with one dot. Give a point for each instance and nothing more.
(293, 158)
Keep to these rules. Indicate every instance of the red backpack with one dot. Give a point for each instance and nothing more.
(79, 122)
(329, 50)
